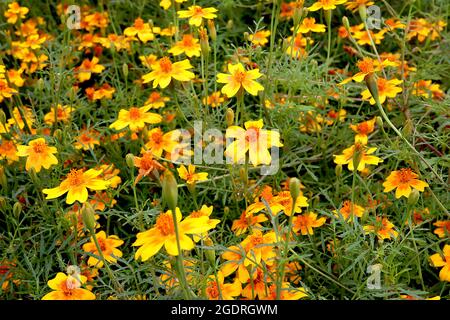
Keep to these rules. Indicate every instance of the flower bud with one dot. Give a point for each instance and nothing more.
(373, 87)
(363, 12)
(17, 209)
(88, 214)
(129, 158)
(408, 128)
(328, 14)
(230, 25)
(338, 170)
(170, 190)
(58, 134)
(210, 253)
(2, 118)
(294, 187)
(413, 197)
(212, 30)
(33, 176)
(243, 175)
(229, 117)
(2, 204)
(3, 179)
(379, 121)
(125, 70)
(346, 23)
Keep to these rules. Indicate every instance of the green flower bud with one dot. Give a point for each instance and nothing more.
(88, 214)
(413, 197)
(129, 158)
(125, 70)
(170, 190)
(17, 209)
(210, 253)
(229, 117)
(346, 23)
(294, 187)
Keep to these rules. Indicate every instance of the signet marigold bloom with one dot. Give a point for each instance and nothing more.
(135, 118)
(259, 247)
(214, 100)
(443, 228)
(8, 151)
(354, 5)
(346, 210)
(6, 91)
(218, 290)
(87, 139)
(142, 30)
(15, 12)
(147, 165)
(386, 89)
(164, 70)
(287, 292)
(189, 174)
(239, 79)
(368, 66)
(258, 286)
(246, 221)
(437, 260)
(187, 45)
(363, 130)
(254, 140)
(63, 114)
(361, 152)
(76, 184)
(310, 25)
(402, 180)
(87, 68)
(158, 141)
(383, 228)
(108, 246)
(326, 4)
(235, 257)
(204, 211)
(306, 222)
(196, 14)
(156, 100)
(67, 287)
(166, 4)
(39, 154)
(259, 38)
(163, 234)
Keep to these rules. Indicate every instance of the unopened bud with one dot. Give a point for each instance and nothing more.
(328, 14)
(170, 190)
(363, 12)
(294, 187)
(129, 158)
(2, 204)
(229, 117)
(58, 134)
(210, 252)
(338, 170)
(17, 209)
(413, 197)
(3, 179)
(40, 84)
(346, 23)
(408, 128)
(230, 25)
(356, 158)
(125, 70)
(379, 121)
(33, 176)
(212, 30)
(88, 214)
(243, 175)
(2, 118)
(226, 210)
(372, 85)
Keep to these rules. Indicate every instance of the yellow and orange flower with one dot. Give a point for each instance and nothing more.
(326, 4)
(164, 70)
(189, 174)
(310, 25)
(349, 210)
(108, 247)
(239, 79)
(383, 228)
(363, 130)
(438, 260)
(142, 30)
(443, 228)
(246, 221)
(306, 222)
(156, 100)
(158, 141)
(87, 68)
(187, 45)
(15, 12)
(359, 153)
(76, 184)
(196, 14)
(39, 154)
(218, 290)
(259, 38)
(68, 288)
(135, 118)
(63, 114)
(147, 165)
(402, 180)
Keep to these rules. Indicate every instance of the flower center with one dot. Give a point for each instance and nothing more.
(157, 138)
(75, 177)
(212, 290)
(187, 40)
(239, 76)
(366, 66)
(165, 224)
(256, 240)
(165, 65)
(198, 11)
(363, 128)
(135, 114)
(139, 24)
(39, 147)
(405, 175)
(196, 214)
(252, 135)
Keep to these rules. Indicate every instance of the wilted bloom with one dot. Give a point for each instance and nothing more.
(147, 165)
(442, 260)
(68, 288)
(135, 118)
(164, 70)
(402, 180)
(39, 154)
(253, 139)
(239, 78)
(196, 14)
(108, 246)
(76, 184)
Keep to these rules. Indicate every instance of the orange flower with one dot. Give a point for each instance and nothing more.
(196, 14)
(310, 25)
(8, 151)
(39, 154)
(363, 37)
(68, 288)
(259, 247)
(367, 67)
(156, 100)
(296, 47)
(326, 4)
(15, 12)
(258, 286)
(363, 130)
(383, 228)
(188, 45)
(135, 118)
(214, 100)
(164, 70)
(358, 153)
(63, 114)
(306, 222)
(76, 184)
(147, 165)
(108, 246)
(386, 89)
(355, 4)
(87, 68)
(443, 229)
(246, 221)
(438, 260)
(158, 141)
(402, 180)
(217, 289)
(87, 140)
(141, 29)
(238, 79)
(346, 210)
(259, 38)
(5, 90)
(235, 257)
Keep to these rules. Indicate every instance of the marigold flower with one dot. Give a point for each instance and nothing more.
(259, 247)
(363, 130)
(310, 25)
(164, 70)
(306, 222)
(355, 4)
(8, 151)
(142, 30)
(156, 100)
(158, 141)
(108, 246)
(349, 210)
(238, 78)
(87, 139)
(366, 67)
(68, 288)
(258, 286)
(15, 12)
(287, 292)
(218, 290)
(147, 165)
(363, 37)
(235, 257)
(87, 68)
(63, 114)
(246, 221)
(188, 45)
(443, 229)
(204, 211)
(135, 118)
(253, 139)
(361, 153)
(402, 180)
(189, 174)
(383, 228)
(163, 234)
(296, 47)
(438, 260)
(166, 4)
(386, 89)
(196, 14)
(214, 100)
(5, 90)
(76, 184)
(259, 38)
(39, 154)
(326, 4)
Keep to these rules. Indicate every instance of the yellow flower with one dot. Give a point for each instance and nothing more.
(189, 174)
(368, 66)
(87, 68)
(443, 228)
(247, 220)
(164, 70)
(163, 234)
(360, 152)
(386, 89)
(296, 47)
(259, 38)
(438, 260)
(87, 140)
(326, 4)
(166, 4)
(214, 100)
(346, 210)
(259, 247)
(355, 4)
(197, 13)
(63, 114)
(108, 246)
(135, 118)
(76, 184)
(204, 211)
(8, 151)
(68, 288)
(383, 228)
(141, 29)
(218, 290)
(188, 45)
(402, 180)
(239, 78)
(363, 130)
(14, 12)
(156, 100)
(253, 139)
(5, 90)
(158, 141)
(363, 37)
(310, 25)
(306, 222)
(39, 154)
